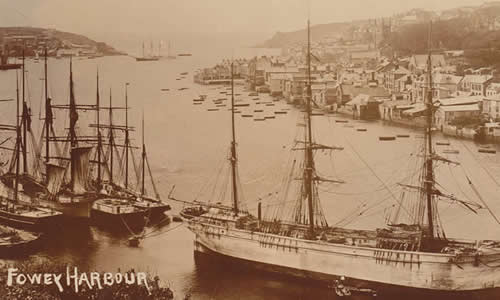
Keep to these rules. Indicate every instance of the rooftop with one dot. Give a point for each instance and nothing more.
(454, 108)
(477, 78)
(460, 100)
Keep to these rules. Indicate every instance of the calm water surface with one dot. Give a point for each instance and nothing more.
(187, 144)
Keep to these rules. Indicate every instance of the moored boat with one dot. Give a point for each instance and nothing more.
(119, 214)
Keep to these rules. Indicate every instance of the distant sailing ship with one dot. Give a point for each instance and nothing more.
(149, 57)
(403, 257)
(169, 53)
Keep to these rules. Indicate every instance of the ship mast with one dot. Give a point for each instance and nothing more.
(24, 122)
(309, 169)
(143, 158)
(18, 140)
(110, 138)
(99, 141)
(48, 116)
(233, 147)
(127, 141)
(429, 172)
(73, 117)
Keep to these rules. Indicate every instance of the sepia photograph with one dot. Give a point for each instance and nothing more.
(249, 149)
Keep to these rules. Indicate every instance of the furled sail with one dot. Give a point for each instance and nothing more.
(80, 158)
(55, 177)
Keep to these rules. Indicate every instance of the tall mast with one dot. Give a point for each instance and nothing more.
(429, 176)
(143, 157)
(99, 141)
(110, 138)
(48, 116)
(18, 140)
(309, 155)
(24, 121)
(143, 52)
(233, 147)
(73, 117)
(126, 135)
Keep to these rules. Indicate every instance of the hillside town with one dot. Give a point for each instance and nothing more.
(353, 74)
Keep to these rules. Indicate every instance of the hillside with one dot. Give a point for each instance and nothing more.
(34, 37)
(458, 28)
(321, 31)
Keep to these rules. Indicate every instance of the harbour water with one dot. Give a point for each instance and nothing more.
(188, 144)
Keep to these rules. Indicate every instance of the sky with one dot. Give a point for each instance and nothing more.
(98, 18)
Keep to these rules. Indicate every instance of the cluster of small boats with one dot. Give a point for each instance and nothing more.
(248, 106)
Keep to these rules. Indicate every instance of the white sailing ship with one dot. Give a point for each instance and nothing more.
(414, 255)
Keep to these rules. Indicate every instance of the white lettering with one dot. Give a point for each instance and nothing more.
(95, 280)
(11, 272)
(141, 276)
(57, 281)
(21, 279)
(83, 278)
(108, 278)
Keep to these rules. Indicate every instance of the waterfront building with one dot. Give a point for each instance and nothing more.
(475, 84)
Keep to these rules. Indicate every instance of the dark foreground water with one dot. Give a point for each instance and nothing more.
(187, 144)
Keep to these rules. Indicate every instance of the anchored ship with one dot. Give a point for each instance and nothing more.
(59, 180)
(122, 205)
(149, 57)
(13, 211)
(411, 254)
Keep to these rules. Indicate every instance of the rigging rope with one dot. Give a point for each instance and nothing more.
(479, 163)
(482, 200)
(375, 174)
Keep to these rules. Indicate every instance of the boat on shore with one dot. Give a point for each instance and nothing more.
(32, 218)
(15, 242)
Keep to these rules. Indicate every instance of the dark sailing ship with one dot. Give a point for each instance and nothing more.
(13, 210)
(60, 180)
(403, 257)
(120, 205)
(71, 178)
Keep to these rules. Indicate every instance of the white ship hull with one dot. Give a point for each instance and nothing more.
(433, 272)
